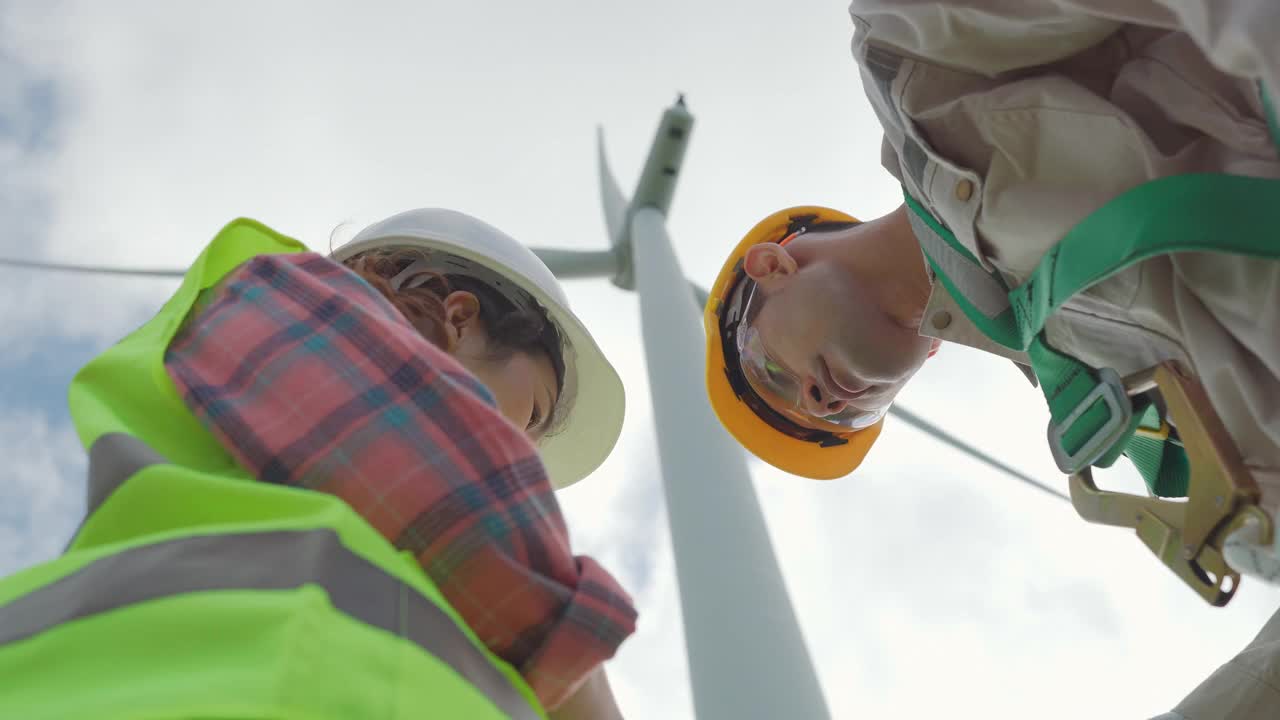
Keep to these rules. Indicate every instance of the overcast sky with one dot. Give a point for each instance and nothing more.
(926, 584)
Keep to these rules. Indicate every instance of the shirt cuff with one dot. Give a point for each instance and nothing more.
(595, 621)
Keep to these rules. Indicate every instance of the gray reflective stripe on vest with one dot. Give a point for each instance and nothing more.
(975, 284)
(114, 458)
(277, 560)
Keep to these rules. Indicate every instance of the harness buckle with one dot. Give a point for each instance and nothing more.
(1187, 535)
(1111, 391)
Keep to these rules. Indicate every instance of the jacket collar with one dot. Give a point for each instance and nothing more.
(944, 320)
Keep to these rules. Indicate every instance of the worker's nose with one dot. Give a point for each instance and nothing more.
(819, 404)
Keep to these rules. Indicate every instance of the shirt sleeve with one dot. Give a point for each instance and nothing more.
(993, 36)
(311, 379)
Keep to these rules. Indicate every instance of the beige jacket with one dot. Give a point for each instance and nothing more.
(1012, 120)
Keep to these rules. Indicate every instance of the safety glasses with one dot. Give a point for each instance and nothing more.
(783, 390)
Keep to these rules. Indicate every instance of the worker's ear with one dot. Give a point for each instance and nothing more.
(769, 264)
(934, 347)
(461, 317)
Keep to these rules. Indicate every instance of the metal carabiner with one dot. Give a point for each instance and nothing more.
(1187, 535)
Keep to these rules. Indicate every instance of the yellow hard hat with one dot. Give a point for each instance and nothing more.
(769, 435)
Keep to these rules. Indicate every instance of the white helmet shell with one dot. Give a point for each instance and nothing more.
(461, 244)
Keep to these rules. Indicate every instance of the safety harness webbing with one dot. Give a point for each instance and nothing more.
(1093, 419)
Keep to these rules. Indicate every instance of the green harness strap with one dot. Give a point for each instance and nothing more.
(1269, 109)
(1092, 418)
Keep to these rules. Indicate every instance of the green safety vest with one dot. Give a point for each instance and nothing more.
(1093, 421)
(192, 591)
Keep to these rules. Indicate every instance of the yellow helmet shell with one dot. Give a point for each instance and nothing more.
(799, 457)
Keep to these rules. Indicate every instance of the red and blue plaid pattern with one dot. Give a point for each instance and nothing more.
(310, 378)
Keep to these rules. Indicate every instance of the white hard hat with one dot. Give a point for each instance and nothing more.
(463, 245)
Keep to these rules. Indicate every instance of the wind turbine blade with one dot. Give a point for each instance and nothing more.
(611, 197)
(571, 264)
(700, 295)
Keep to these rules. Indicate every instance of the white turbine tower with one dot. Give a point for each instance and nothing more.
(747, 658)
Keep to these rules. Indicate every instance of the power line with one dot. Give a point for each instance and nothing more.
(89, 269)
(897, 410)
(938, 433)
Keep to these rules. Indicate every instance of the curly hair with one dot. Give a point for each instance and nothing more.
(510, 330)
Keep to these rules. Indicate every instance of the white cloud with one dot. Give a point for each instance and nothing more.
(41, 488)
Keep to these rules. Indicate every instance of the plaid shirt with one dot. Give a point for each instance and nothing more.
(310, 378)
